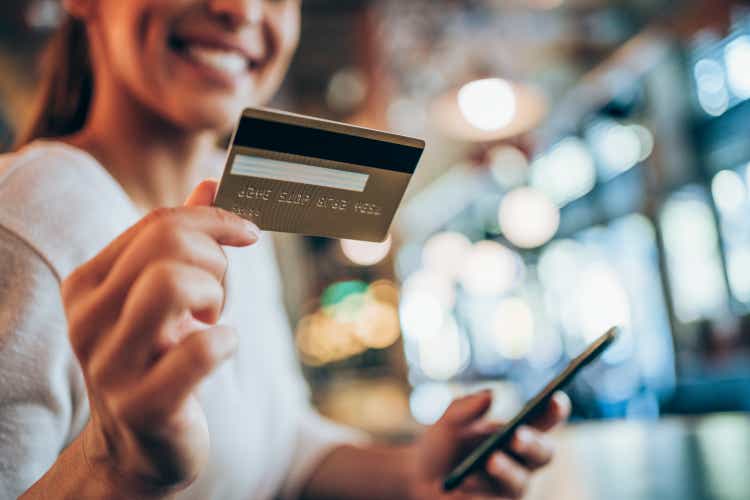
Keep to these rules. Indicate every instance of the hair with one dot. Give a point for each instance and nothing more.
(66, 86)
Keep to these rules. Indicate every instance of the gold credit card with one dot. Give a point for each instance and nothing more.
(296, 174)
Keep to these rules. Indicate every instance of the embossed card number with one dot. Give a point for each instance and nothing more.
(302, 175)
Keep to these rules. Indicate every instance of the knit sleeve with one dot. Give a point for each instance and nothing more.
(43, 404)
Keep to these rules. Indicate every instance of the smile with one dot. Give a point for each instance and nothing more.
(218, 57)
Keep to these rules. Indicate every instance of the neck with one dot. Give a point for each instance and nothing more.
(157, 163)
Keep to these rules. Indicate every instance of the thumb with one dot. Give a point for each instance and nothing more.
(203, 194)
(466, 410)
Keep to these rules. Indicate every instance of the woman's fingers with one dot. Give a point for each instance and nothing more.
(557, 411)
(511, 477)
(193, 235)
(156, 305)
(176, 375)
(189, 247)
(531, 447)
(203, 195)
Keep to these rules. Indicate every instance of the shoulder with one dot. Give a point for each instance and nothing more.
(61, 203)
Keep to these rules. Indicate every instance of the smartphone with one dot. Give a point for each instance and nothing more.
(535, 405)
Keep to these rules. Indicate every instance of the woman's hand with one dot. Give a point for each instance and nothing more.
(444, 444)
(142, 321)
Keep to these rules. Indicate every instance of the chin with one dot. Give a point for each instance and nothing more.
(219, 117)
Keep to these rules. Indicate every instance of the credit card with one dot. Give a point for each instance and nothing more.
(296, 174)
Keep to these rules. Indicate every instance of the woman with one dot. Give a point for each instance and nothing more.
(122, 361)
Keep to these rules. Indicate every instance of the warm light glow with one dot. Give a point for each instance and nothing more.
(346, 90)
(444, 253)
(377, 326)
(513, 323)
(385, 291)
(566, 173)
(490, 269)
(528, 218)
(352, 318)
(488, 104)
(364, 253)
(729, 192)
(737, 55)
(321, 339)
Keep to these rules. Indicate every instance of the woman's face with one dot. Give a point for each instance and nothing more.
(195, 63)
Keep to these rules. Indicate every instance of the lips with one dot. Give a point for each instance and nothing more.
(219, 59)
(220, 56)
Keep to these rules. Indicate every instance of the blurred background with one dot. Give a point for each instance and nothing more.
(588, 165)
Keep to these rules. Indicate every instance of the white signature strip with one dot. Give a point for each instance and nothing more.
(264, 168)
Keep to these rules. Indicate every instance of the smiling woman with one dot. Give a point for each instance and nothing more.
(144, 351)
(191, 69)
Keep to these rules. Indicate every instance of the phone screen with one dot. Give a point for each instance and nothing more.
(534, 405)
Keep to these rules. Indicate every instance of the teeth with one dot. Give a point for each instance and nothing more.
(221, 60)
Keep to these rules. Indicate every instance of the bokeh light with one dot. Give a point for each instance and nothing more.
(737, 54)
(729, 192)
(428, 401)
(490, 269)
(347, 90)
(421, 315)
(566, 172)
(513, 322)
(619, 147)
(321, 339)
(444, 253)
(352, 318)
(444, 353)
(528, 218)
(712, 87)
(601, 302)
(364, 253)
(691, 242)
(738, 269)
(509, 166)
(428, 282)
(488, 104)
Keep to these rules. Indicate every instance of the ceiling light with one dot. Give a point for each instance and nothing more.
(364, 253)
(488, 104)
(528, 218)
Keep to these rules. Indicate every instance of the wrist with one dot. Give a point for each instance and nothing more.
(99, 463)
(412, 480)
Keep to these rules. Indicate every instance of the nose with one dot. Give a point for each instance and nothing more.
(238, 13)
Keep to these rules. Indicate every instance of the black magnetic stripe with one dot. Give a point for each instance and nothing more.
(316, 143)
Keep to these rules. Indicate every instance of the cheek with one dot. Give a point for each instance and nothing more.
(144, 68)
(288, 30)
(284, 33)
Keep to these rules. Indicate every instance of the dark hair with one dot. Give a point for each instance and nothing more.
(66, 86)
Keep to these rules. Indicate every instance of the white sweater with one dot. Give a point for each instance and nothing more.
(58, 208)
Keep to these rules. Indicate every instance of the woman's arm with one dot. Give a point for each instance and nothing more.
(76, 475)
(416, 472)
(141, 319)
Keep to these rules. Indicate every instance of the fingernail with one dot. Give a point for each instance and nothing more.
(252, 229)
(524, 436)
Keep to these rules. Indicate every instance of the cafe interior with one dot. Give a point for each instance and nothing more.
(587, 165)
